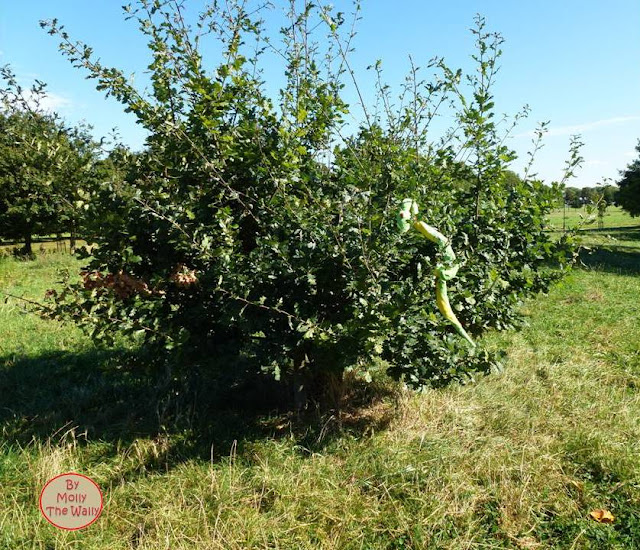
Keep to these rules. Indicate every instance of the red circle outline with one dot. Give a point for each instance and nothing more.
(71, 528)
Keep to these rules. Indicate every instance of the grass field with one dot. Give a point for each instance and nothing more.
(517, 460)
(614, 217)
(41, 245)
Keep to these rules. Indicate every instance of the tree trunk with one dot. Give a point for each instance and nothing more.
(26, 249)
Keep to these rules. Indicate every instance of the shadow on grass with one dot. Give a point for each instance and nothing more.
(632, 230)
(619, 233)
(620, 255)
(105, 396)
(36, 240)
(612, 258)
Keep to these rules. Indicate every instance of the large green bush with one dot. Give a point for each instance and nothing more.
(258, 236)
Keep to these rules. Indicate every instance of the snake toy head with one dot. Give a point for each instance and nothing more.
(408, 211)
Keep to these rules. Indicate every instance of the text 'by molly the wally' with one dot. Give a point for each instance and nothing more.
(71, 501)
(69, 497)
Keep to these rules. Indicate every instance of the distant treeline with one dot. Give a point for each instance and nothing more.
(577, 197)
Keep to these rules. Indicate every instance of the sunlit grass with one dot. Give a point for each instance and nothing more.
(517, 460)
(614, 217)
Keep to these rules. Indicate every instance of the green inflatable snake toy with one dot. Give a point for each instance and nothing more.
(446, 269)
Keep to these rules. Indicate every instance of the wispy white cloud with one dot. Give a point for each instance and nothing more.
(596, 162)
(585, 127)
(55, 102)
(630, 154)
(49, 101)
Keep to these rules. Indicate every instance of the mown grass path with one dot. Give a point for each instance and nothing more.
(517, 460)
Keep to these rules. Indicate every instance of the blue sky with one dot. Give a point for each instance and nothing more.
(575, 63)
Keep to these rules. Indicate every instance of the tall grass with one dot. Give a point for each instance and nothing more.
(517, 460)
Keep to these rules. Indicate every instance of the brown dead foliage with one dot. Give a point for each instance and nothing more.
(183, 276)
(122, 284)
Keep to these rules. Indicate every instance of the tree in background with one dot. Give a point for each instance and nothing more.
(629, 194)
(609, 194)
(77, 174)
(572, 197)
(588, 195)
(29, 143)
(576, 197)
(43, 165)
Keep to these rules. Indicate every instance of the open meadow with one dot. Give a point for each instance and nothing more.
(516, 460)
(614, 218)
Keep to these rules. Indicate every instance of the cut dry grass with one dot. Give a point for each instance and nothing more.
(517, 460)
